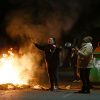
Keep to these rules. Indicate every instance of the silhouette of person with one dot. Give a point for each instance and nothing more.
(52, 58)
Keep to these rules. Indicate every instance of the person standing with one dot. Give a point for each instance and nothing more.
(52, 59)
(85, 58)
(74, 56)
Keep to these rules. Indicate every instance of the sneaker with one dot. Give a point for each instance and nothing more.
(55, 88)
(75, 81)
(84, 92)
(78, 80)
(50, 89)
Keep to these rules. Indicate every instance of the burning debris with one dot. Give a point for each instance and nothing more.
(39, 87)
(15, 72)
(37, 20)
(11, 86)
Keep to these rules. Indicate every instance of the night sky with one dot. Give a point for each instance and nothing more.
(67, 20)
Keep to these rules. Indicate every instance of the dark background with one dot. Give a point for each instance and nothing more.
(86, 14)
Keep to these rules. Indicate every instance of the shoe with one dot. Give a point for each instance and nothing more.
(50, 89)
(75, 81)
(55, 88)
(87, 92)
(78, 80)
(83, 91)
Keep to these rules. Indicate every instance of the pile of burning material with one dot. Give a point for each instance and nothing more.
(10, 86)
(7, 86)
(15, 72)
(18, 72)
(38, 87)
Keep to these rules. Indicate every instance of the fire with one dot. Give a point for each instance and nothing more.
(13, 69)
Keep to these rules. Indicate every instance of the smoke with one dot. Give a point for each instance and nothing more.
(20, 25)
(39, 20)
(35, 21)
(47, 17)
(29, 21)
(29, 68)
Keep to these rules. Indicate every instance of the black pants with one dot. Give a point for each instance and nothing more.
(76, 77)
(84, 76)
(53, 75)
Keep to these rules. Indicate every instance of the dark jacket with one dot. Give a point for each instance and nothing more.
(51, 53)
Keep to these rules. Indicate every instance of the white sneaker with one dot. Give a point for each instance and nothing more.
(75, 81)
(55, 88)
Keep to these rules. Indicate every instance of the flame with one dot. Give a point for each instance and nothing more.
(37, 87)
(11, 67)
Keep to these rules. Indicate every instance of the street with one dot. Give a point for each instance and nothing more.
(30, 94)
(67, 93)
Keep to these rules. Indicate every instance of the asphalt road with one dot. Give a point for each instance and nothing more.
(30, 94)
(67, 94)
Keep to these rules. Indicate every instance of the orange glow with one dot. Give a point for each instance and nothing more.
(14, 69)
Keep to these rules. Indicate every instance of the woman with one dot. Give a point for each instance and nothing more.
(85, 56)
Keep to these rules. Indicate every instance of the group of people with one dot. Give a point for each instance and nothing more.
(83, 58)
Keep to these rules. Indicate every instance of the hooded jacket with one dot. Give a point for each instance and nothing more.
(85, 55)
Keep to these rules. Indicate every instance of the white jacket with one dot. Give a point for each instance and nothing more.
(85, 56)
